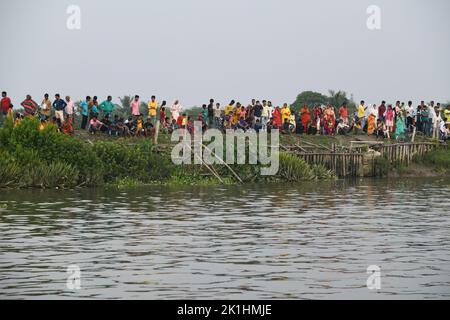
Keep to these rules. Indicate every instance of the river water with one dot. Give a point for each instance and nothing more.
(307, 241)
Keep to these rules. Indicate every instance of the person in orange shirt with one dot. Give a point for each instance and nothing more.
(343, 113)
(305, 117)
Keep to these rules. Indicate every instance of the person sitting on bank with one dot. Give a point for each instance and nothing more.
(287, 127)
(95, 125)
(258, 126)
(342, 127)
(242, 124)
(148, 127)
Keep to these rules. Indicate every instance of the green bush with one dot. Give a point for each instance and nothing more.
(56, 174)
(294, 169)
(9, 169)
(321, 172)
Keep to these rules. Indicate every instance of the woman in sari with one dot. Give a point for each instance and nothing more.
(371, 124)
(399, 126)
(277, 116)
(371, 120)
(305, 117)
(330, 120)
(318, 118)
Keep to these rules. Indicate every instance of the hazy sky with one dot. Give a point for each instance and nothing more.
(197, 49)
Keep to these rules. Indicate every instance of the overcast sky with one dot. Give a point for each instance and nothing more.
(194, 50)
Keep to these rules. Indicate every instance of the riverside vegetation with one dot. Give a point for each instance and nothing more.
(30, 157)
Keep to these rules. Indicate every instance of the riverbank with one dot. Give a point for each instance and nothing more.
(33, 158)
(433, 164)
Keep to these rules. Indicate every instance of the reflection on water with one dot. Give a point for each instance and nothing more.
(254, 242)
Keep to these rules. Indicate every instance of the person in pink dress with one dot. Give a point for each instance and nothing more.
(390, 119)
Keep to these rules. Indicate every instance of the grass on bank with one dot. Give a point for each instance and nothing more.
(30, 157)
(434, 162)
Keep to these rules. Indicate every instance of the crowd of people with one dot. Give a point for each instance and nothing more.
(383, 121)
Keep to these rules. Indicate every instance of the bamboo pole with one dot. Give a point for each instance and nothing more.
(223, 162)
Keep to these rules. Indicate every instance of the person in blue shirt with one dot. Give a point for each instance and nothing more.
(59, 105)
(84, 105)
(93, 107)
(257, 126)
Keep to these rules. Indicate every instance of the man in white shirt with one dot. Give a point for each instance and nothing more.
(217, 115)
(264, 115)
(269, 104)
(410, 115)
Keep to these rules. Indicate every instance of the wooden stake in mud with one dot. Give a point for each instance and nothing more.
(414, 134)
(156, 132)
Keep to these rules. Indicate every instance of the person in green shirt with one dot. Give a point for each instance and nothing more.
(204, 114)
(424, 114)
(107, 107)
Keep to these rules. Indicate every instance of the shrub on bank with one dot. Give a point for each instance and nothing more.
(30, 157)
(438, 158)
(294, 169)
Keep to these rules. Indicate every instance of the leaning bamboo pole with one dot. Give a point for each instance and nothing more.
(223, 162)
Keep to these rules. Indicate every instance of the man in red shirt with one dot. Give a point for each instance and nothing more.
(5, 103)
(343, 113)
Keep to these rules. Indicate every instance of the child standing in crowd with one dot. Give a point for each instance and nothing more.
(390, 119)
(139, 125)
(162, 115)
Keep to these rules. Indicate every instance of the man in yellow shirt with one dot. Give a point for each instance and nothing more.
(229, 108)
(285, 113)
(361, 113)
(152, 107)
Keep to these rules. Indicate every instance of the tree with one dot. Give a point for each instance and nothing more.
(336, 99)
(126, 101)
(310, 98)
